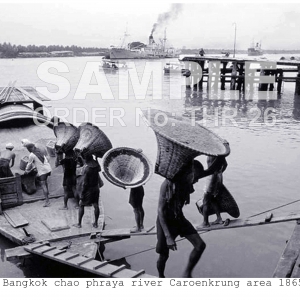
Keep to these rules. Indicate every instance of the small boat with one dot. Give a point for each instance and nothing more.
(111, 65)
(173, 67)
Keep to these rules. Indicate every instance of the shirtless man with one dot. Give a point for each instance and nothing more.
(69, 163)
(88, 189)
(171, 221)
(6, 157)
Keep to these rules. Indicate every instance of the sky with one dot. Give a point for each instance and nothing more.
(193, 25)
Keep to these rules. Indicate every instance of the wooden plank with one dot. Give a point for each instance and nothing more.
(117, 270)
(55, 224)
(289, 256)
(102, 264)
(127, 273)
(15, 218)
(116, 232)
(251, 222)
(296, 269)
(17, 252)
(103, 269)
(84, 261)
(72, 256)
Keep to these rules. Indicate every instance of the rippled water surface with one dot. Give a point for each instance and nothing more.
(262, 168)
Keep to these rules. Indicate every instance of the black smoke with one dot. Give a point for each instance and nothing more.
(165, 18)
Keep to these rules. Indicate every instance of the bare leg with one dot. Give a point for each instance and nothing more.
(75, 197)
(80, 216)
(66, 197)
(199, 247)
(97, 213)
(44, 186)
(161, 264)
(142, 215)
(217, 210)
(206, 200)
(137, 217)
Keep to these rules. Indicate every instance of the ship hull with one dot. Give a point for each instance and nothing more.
(116, 53)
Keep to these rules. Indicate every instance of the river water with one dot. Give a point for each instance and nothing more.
(262, 167)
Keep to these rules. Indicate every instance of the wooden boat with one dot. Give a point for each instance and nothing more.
(110, 65)
(24, 220)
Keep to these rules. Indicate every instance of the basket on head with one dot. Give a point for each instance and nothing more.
(179, 142)
(126, 167)
(92, 141)
(67, 136)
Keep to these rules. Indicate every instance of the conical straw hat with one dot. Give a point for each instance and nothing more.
(92, 140)
(126, 167)
(67, 136)
(179, 141)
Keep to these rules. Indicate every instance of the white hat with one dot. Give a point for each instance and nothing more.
(9, 146)
(25, 142)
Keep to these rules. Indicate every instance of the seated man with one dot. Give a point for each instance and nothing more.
(6, 157)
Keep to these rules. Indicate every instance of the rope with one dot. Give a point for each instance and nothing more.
(275, 208)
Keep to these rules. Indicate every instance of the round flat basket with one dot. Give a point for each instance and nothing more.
(67, 136)
(92, 141)
(179, 141)
(126, 167)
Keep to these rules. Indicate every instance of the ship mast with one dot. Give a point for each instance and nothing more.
(165, 40)
(124, 37)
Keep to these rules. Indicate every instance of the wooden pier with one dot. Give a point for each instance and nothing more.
(233, 71)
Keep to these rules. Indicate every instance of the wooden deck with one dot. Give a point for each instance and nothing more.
(36, 214)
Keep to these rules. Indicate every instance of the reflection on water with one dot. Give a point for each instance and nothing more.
(261, 171)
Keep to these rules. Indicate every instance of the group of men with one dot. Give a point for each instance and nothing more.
(82, 181)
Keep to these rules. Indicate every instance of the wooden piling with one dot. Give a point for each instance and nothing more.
(233, 75)
(279, 80)
(223, 78)
(297, 87)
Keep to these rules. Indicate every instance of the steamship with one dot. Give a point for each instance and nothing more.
(138, 50)
(255, 50)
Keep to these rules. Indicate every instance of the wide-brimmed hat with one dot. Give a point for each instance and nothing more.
(126, 167)
(67, 136)
(180, 141)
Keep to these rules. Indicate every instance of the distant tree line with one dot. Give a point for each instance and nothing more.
(10, 51)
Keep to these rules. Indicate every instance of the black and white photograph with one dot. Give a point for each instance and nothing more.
(150, 140)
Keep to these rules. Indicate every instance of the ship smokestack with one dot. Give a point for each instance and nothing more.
(151, 40)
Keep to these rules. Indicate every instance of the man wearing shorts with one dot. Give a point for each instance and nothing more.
(136, 201)
(69, 163)
(88, 189)
(171, 221)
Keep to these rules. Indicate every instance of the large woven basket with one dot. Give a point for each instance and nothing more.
(67, 136)
(179, 142)
(126, 167)
(225, 202)
(92, 141)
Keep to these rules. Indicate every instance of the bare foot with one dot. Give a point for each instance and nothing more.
(77, 225)
(76, 207)
(95, 225)
(205, 224)
(47, 204)
(64, 208)
(218, 221)
(135, 229)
